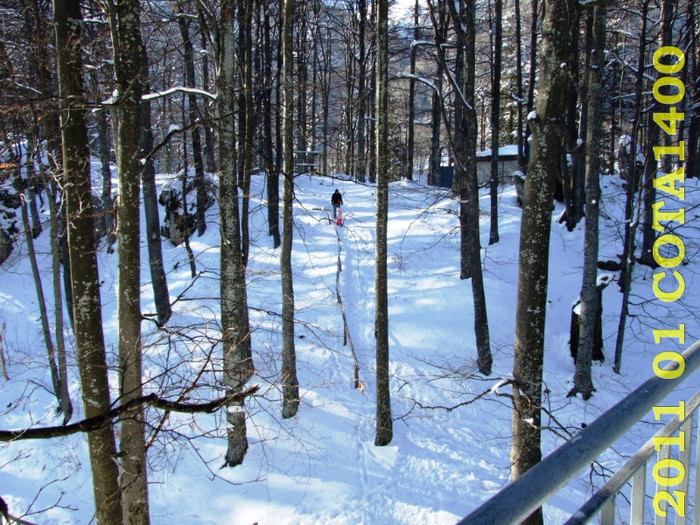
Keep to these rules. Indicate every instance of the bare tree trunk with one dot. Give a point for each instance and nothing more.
(60, 388)
(439, 29)
(545, 164)
(384, 429)
(469, 197)
(290, 383)
(209, 138)
(235, 329)
(436, 128)
(33, 190)
(271, 168)
(361, 92)
(464, 154)
(66, 404)
(693, 164)
(302, 79)
(159, 281)
(89, 340)
(519, 80)
(193, 115)
(410, 139)
(649, 195)
(103, 147)
(574, 175)
(590, 298)
(128, 63)
(651, 165)
(532, 76)
(495, 116)
(632, 192)
(372, 95)
(247, 121)
(325, 96)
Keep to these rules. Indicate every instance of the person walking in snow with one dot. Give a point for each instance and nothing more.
(337, 202)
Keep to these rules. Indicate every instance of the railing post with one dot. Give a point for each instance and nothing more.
(663, 454)
(696, 511)
(607, 513)
(686, 455)
(639, 488)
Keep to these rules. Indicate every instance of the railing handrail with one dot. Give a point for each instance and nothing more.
(622, 476)
(518, 500)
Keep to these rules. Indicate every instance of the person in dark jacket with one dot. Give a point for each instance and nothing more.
(337, 202)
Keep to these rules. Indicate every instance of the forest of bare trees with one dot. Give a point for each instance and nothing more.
(97, 97)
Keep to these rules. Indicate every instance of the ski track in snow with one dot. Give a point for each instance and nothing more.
(357, 247)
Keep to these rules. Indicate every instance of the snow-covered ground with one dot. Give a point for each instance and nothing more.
(322, 466)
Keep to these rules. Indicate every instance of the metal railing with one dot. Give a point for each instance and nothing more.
(635, 470)
(518, 500)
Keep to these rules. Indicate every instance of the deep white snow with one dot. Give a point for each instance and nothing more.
(322, 466)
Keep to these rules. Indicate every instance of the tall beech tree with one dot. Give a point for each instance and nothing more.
(159, 281)
(497, 31)
(439, 19)
(246, 119)
(235, 324)
(573, 178)
(85, 281)
(547, 125)
(411, 124)
(632, 174)
(362, 98)
(193, 114)
(590, 299)
(290, 383)
(535, 7)
(271, 167)
(128, 60)
(384, 424)
(24, 155)
(463, 143)
(56, 354)
(654, 137)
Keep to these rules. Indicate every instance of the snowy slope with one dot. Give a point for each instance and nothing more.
(322, 466)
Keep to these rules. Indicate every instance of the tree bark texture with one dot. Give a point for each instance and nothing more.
(411, 132)
(384, 428)
(58, 376)
(128, 64)
(89, 340)
(193, 115)
(271, 169)
(246, 120)
(590, 303)
(159, 281)
(545, 163)
(654, 138)
(439, 21)
(574, 176)
(532, 74)
(290, 383)
(464, 152)
(235, 330)
(51, 191)
(495, 116)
